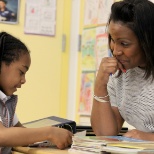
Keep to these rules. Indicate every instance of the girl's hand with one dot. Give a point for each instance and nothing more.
(62, 138)
(137, 134)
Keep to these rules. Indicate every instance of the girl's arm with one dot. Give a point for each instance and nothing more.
(19, 136)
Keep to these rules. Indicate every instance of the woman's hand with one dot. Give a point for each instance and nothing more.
(137, 134)
(109, 65)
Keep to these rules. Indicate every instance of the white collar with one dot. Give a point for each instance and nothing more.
(3, 97)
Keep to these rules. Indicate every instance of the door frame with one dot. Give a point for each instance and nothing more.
(73, 61)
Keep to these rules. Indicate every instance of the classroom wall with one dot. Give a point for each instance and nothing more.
(42, 96)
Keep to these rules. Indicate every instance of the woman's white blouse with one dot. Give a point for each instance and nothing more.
(134, 97)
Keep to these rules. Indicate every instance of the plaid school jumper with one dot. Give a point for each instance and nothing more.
(8, 107)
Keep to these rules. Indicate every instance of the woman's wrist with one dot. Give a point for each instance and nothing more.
(102, 99)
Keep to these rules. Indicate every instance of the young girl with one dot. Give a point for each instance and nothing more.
(14, 63)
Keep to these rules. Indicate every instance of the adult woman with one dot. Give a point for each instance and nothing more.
(127, 94)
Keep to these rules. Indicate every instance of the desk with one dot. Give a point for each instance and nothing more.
(27, 150)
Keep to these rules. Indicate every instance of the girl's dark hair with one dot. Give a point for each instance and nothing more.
(138, 15)
(11, 48)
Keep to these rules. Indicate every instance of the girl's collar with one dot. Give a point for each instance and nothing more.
(3, 97)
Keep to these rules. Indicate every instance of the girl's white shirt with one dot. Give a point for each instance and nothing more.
(4, 98)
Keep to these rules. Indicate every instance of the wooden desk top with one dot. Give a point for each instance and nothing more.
(27, 150)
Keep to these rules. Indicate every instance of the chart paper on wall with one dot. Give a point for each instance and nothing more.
(97, 12)
(40, 17)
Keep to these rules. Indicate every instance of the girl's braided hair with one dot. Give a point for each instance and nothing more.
(11, 48)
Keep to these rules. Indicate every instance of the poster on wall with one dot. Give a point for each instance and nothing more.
(94, 48)
(9, 11)
(104, 10)
(88, 54)
(101, 45)
(86, 97)
(90, 14)
(40, 17)
(97, 12)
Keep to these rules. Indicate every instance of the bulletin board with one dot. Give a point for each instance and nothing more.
(94, 48)
(40, 17)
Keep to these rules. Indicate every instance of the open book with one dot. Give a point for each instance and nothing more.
(114, 144)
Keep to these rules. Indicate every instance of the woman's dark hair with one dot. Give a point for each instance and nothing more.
(138, 15)
(11, 48)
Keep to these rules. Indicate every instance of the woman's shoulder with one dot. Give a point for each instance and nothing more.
(135, 75)
(134, 72)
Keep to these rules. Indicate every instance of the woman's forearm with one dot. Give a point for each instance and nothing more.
(103, 119)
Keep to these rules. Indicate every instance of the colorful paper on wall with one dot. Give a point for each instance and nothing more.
(101, 46)
(88, 54)
(87, 84)
(94, 48)
(91, 14)
(104, 11)
(97, 12)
